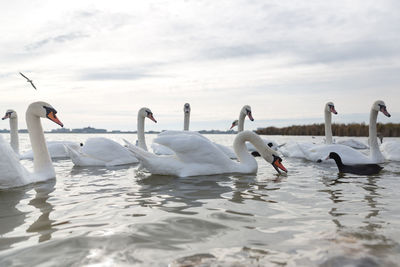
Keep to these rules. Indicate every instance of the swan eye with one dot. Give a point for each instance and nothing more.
(49, 110)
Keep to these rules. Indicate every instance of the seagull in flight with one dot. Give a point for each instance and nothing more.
(28, 80)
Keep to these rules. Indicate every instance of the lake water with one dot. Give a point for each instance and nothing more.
(123, 217)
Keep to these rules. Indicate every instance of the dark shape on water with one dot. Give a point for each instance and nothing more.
(361, 169)
(28, 80)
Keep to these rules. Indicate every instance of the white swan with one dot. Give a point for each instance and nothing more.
(13, 174)
(349, 155)
(295, 149)
(56, 149)
(100, 151)
(391, 150)
(163, 150)
(14, 139)
(198, 156)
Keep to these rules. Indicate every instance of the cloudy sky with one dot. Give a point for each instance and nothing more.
(98, 62)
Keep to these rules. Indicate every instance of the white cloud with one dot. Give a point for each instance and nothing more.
(98, 62)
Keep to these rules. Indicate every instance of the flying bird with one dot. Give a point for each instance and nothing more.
(28, 80)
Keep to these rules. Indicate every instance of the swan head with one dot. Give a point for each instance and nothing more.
(246, 110)
(379, 105)
(186, 108)
(271, 156)
(234, 123)
(10, 114)
(146, 113)
(44, 110)
(330, 107)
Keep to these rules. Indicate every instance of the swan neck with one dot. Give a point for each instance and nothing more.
(14, 140)
(239, 146)
(140, 132)
(41, 157)
(328, 127)
(373, 140)
(241, 122)
(186, 121)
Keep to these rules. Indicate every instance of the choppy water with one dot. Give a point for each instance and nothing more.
(119, 216)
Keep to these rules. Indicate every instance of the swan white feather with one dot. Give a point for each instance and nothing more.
(196, 155)
(56, 148)
(314, 152)
(100, 151)
(13, 174)
(391, 150)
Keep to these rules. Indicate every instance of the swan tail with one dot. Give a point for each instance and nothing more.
(140, 154)
(81, 159)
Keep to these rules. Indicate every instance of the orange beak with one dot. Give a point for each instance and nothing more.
(54, 118)
(150, 116)
(278, 164)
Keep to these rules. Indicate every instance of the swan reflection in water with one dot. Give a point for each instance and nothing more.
(11, 217)
(43, 225)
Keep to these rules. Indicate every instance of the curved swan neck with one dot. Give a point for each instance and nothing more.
(41, 157)
(14, 140)
(242, 116)
(328, 127)
(373, 141)
(140, 132)
(186, 121)
(239, 145)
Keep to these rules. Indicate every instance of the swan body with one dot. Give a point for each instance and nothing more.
(349, 155)
(100, 151)
(196, 155)
(13, 174)
(353, 143)
(391, 150)
(93, 153)
(163, 150)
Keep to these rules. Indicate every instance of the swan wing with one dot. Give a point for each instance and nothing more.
(161, 150)
(348, 155)
(81, 159)
(391, 150)
(353, 143)
(193, 149)
(107, 150)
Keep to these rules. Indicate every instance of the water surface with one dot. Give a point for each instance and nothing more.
(97, 216)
